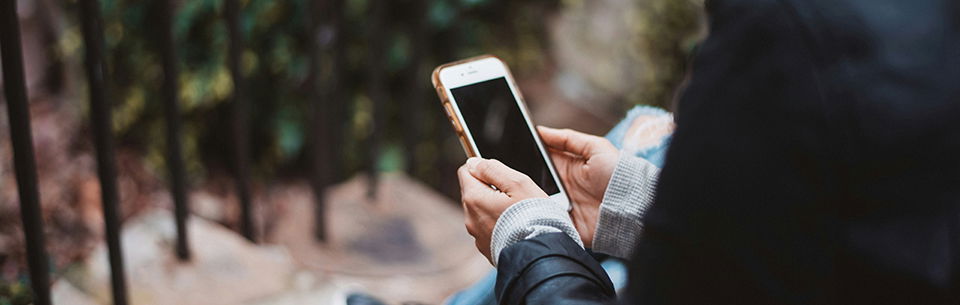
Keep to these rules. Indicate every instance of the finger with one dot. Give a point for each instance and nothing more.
(495, 173)
(562, 156)
(563, 161)
(470, 186)
(571, 141)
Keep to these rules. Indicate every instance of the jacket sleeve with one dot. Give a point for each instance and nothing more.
(551, 269)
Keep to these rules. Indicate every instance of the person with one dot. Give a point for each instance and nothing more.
(816, 160)
(644, 132)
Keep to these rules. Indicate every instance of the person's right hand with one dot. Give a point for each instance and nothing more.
(585, 164)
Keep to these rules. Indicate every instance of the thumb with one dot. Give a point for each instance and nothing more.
(571, 141)
(470, 184)
(497, 174)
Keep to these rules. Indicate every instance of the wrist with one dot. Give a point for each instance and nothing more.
(527, 219)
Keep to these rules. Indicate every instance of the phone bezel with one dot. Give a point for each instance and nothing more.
(476, 70)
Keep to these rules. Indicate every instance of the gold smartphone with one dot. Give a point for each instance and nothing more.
(487, 111)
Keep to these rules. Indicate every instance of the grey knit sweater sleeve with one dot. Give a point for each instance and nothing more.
(625, 201)
(527, 219)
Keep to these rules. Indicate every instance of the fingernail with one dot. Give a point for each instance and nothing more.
(472, 162)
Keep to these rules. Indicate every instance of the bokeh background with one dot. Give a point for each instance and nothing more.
(340, 83)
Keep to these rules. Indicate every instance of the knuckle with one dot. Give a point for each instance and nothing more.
(463, 171)
(494, 164)
(599, 142)
(484, 165)
(470, 228)
(461, 176)
(516, 180)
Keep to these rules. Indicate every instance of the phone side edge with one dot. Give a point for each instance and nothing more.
(445, 102)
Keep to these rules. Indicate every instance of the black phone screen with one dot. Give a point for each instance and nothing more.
(500, 131)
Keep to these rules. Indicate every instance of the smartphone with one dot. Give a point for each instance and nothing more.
(487, 112)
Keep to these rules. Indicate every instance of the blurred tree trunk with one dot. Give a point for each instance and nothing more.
(318, 140)
(417, 85)
(334, 89)
(327, 121)
(240, 119)
(376, 88)
(176, 171)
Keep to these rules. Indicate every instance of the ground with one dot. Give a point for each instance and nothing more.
(407, 245)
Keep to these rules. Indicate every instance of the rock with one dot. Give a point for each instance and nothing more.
(306, 291)
(224, 269)
(409, 244)
(207, 205)
(64, 293)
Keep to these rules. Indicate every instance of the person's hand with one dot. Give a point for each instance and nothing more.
(585, 164)
(482, 205)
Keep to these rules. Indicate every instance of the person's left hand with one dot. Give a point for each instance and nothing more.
(585, 164)
(482, 205)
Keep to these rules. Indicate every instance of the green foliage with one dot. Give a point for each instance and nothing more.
(670, 29)
(276, 66)
(275, 63)
(15, 293)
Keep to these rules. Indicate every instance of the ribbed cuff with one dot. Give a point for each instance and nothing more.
(628, 195)
(527, 219)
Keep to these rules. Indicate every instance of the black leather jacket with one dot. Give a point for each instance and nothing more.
(816, 161)
(551, 269)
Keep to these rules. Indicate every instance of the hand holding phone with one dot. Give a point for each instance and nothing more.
(585, 163)
(482, 204)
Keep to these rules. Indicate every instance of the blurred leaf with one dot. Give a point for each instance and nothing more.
(399, 53)
(362, 116)
(357, 8)
(70, 42)
(441, 14)
(249, 61)
(391, 159)
(469, 3)
(290, 134)
(126, 113)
